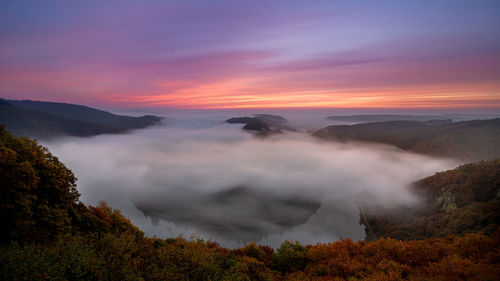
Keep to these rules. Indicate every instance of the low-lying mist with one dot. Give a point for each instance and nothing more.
(224, 184)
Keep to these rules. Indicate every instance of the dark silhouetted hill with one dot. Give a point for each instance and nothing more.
(48, 119)
(467, 140)
(263, 123)
(370, 118)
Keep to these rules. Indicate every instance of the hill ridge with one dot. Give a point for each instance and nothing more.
(39, 119)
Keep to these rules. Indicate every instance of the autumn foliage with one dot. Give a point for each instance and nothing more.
(48, 234)
(459, 201)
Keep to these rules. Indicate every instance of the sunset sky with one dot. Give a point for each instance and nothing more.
(247, 54)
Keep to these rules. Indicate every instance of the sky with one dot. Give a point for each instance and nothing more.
(253, 54)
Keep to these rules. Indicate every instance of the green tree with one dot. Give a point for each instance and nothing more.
(36, 191)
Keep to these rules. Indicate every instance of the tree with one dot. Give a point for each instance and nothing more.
(36, 191)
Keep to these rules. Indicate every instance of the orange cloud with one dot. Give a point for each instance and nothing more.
(253, 92)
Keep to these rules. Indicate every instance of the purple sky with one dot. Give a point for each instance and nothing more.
(415, 54)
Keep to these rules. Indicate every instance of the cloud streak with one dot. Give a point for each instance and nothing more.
(256, 54)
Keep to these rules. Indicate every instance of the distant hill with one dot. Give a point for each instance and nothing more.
(263, 123)
(459, 201)
(370, 118)
(48, 119)
(468, 140)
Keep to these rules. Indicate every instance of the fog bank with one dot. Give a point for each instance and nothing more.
(201, 176)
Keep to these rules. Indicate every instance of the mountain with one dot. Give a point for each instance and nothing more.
(459, 201)
(467, 140)
(370, 118)
(48, 119)
(262, 123)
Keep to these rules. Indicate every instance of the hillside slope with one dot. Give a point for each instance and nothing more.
(371, 118)
(468, 140)
(263, 123)
(459, 201)
(47, 119)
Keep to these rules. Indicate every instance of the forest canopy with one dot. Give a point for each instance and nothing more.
(48, 234)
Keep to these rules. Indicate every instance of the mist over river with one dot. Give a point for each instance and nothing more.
(195, 174)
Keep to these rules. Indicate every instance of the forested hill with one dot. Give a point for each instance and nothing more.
(459, 201)
(47, 234)
(48, 119)
(370, 118)
(467, 140)
(265, 124)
